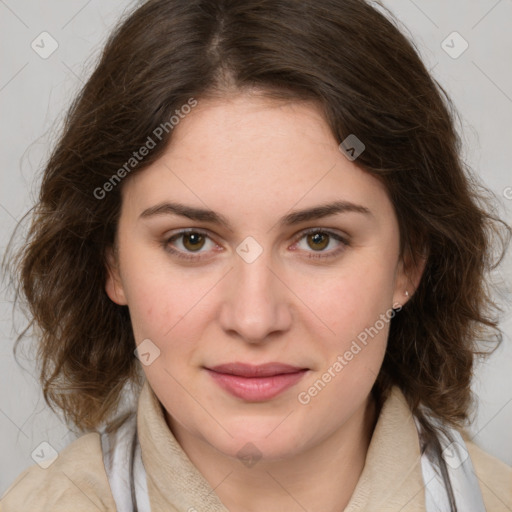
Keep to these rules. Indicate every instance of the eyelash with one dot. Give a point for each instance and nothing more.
(320, 255)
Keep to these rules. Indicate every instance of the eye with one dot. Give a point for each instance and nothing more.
(319, 239)
(192, 241)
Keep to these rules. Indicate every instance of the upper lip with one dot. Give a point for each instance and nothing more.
(249, 370)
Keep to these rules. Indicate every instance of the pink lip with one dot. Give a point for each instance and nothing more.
(256, 383)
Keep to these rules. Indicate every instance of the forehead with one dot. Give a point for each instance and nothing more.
(231, 129)
(253, 155)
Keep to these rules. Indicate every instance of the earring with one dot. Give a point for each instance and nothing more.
(406, 293)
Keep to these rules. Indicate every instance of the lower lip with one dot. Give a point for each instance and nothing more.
(256, 389)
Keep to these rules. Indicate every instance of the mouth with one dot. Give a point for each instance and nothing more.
(256, 383)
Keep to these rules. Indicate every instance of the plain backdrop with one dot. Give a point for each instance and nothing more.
(474, 66)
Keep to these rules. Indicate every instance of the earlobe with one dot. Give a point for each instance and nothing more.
(113, 284)
(409, 275)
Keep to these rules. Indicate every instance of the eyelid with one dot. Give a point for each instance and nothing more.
(334, 233)
(180, 232)
(183, 255)
(344, 239)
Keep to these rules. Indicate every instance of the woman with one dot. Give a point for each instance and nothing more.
(266, 202)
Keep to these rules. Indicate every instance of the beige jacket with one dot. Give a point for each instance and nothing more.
(391, 480)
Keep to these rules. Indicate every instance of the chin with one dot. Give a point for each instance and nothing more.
(260, 443)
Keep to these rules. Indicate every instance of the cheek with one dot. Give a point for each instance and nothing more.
(152, 302)
(158, 311)
(355, 303)
(167, 306)
(153, 292)
(347, 300)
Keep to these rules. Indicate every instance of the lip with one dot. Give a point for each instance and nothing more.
(256, 383)
(251, 370)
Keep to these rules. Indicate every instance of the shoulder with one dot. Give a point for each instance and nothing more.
(76, 480)
(494, 476)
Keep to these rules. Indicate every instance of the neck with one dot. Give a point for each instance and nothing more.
(321, 479)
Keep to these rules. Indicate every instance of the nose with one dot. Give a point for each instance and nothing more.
(257, 301)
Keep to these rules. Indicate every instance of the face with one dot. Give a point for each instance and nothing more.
(249, 279)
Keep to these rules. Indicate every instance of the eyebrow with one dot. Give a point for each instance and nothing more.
(295, 217)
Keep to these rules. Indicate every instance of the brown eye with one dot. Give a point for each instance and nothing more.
(318, 240)
(190, 244)
(319, 243)
(193, 241)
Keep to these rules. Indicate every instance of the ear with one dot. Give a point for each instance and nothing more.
(408, 277)
(113, 284)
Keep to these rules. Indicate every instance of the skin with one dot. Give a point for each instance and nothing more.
(254, 160)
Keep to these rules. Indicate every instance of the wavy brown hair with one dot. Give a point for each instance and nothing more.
(355, 62)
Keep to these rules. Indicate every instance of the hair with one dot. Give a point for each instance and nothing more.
(354, 62)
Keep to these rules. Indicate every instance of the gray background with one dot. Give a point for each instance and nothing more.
(35, 91)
